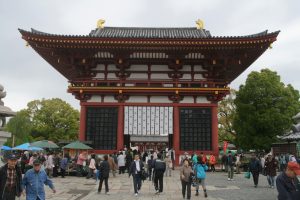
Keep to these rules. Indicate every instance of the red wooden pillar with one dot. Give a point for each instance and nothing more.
(215, 145)
(82, 123)
(176, 132)
(120, 136)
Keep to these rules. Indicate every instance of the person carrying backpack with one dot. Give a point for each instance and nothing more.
(254, 168)
(200, 169)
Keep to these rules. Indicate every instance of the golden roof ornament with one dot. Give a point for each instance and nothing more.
(200, 24)
(100, 23)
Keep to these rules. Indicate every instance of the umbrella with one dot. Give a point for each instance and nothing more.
(5, 148)
(27, 147)
(45, 144)
(77, 145)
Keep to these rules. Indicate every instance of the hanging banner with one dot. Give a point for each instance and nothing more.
(225, 145)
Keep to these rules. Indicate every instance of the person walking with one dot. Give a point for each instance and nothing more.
(135, 170)
(79, 164)
(92, 167)
(287, 183)
(200, 170)
(254, 168)
(64, 165)
(212, 162)
(150, 169)
(169, 165)
(270, 170)
(230, 161)
(104, 174)
(50, 165)
(121, 163)
(112, 165)
(159, 167)
(238, 163)
(34, 180)
(10, 179)
(185, 174)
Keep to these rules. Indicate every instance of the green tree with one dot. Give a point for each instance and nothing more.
(226, 113)
(264, 109)
(53, 119)
(20, 126)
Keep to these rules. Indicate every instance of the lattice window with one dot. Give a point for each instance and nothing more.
(195, 129)
(101, 127)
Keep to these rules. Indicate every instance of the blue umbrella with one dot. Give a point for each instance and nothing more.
(5, 148)
(27, 147)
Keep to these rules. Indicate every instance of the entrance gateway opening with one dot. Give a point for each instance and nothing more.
(148, 127)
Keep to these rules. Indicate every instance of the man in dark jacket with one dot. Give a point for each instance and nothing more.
(135, 170)
(159, 168)
(230, 161)
(104, 174)
(254, 168)
(10, 179)
(288, 184)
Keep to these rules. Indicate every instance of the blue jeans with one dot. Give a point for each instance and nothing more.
(271, 180)
(137, 182)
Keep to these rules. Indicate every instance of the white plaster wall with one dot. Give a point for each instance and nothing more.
(110, 99)
(100, 76)
(186, 68)
(198, 77)
(202, 99)
(160, 99)
(95, 98)
(187, 99)
(112, 67)
(138, 76)
(186, 76)
(99, 67)
(137, 99)
(160, 68)
(160, 76)
(111, 76)
(138, 68)
(198, 68)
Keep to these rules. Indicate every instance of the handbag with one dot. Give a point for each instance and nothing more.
(247, 175)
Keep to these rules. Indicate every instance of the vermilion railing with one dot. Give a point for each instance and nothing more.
(147, 83)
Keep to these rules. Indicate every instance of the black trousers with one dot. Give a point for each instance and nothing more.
(63, 172)
(213, 168)
(159, 182)
(255, 177)
(55, 171)
(9, 195)
(106, 184)
(122, 169)
(186, 187)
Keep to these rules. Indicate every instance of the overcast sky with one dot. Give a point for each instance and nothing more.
(26, 76)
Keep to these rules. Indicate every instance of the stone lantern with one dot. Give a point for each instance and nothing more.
(4, 112)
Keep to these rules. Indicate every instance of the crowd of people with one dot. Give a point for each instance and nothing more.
(39, 168)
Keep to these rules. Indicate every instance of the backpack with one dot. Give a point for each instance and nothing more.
(200, 171)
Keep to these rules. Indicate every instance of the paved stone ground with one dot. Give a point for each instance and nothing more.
(73, 188)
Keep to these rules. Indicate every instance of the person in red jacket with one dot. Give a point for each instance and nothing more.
(212, 162)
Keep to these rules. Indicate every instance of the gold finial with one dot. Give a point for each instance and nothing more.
(100, 23)
(271, 47)
(200, 24)
(27, 44)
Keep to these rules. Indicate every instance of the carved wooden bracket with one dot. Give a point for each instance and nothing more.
(83, 96)
(122, 74)
(121, 98)
(176, 98)
(175, 75)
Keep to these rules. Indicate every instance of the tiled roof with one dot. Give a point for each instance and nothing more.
(151, 33)
(172, 33)
(291, 136)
